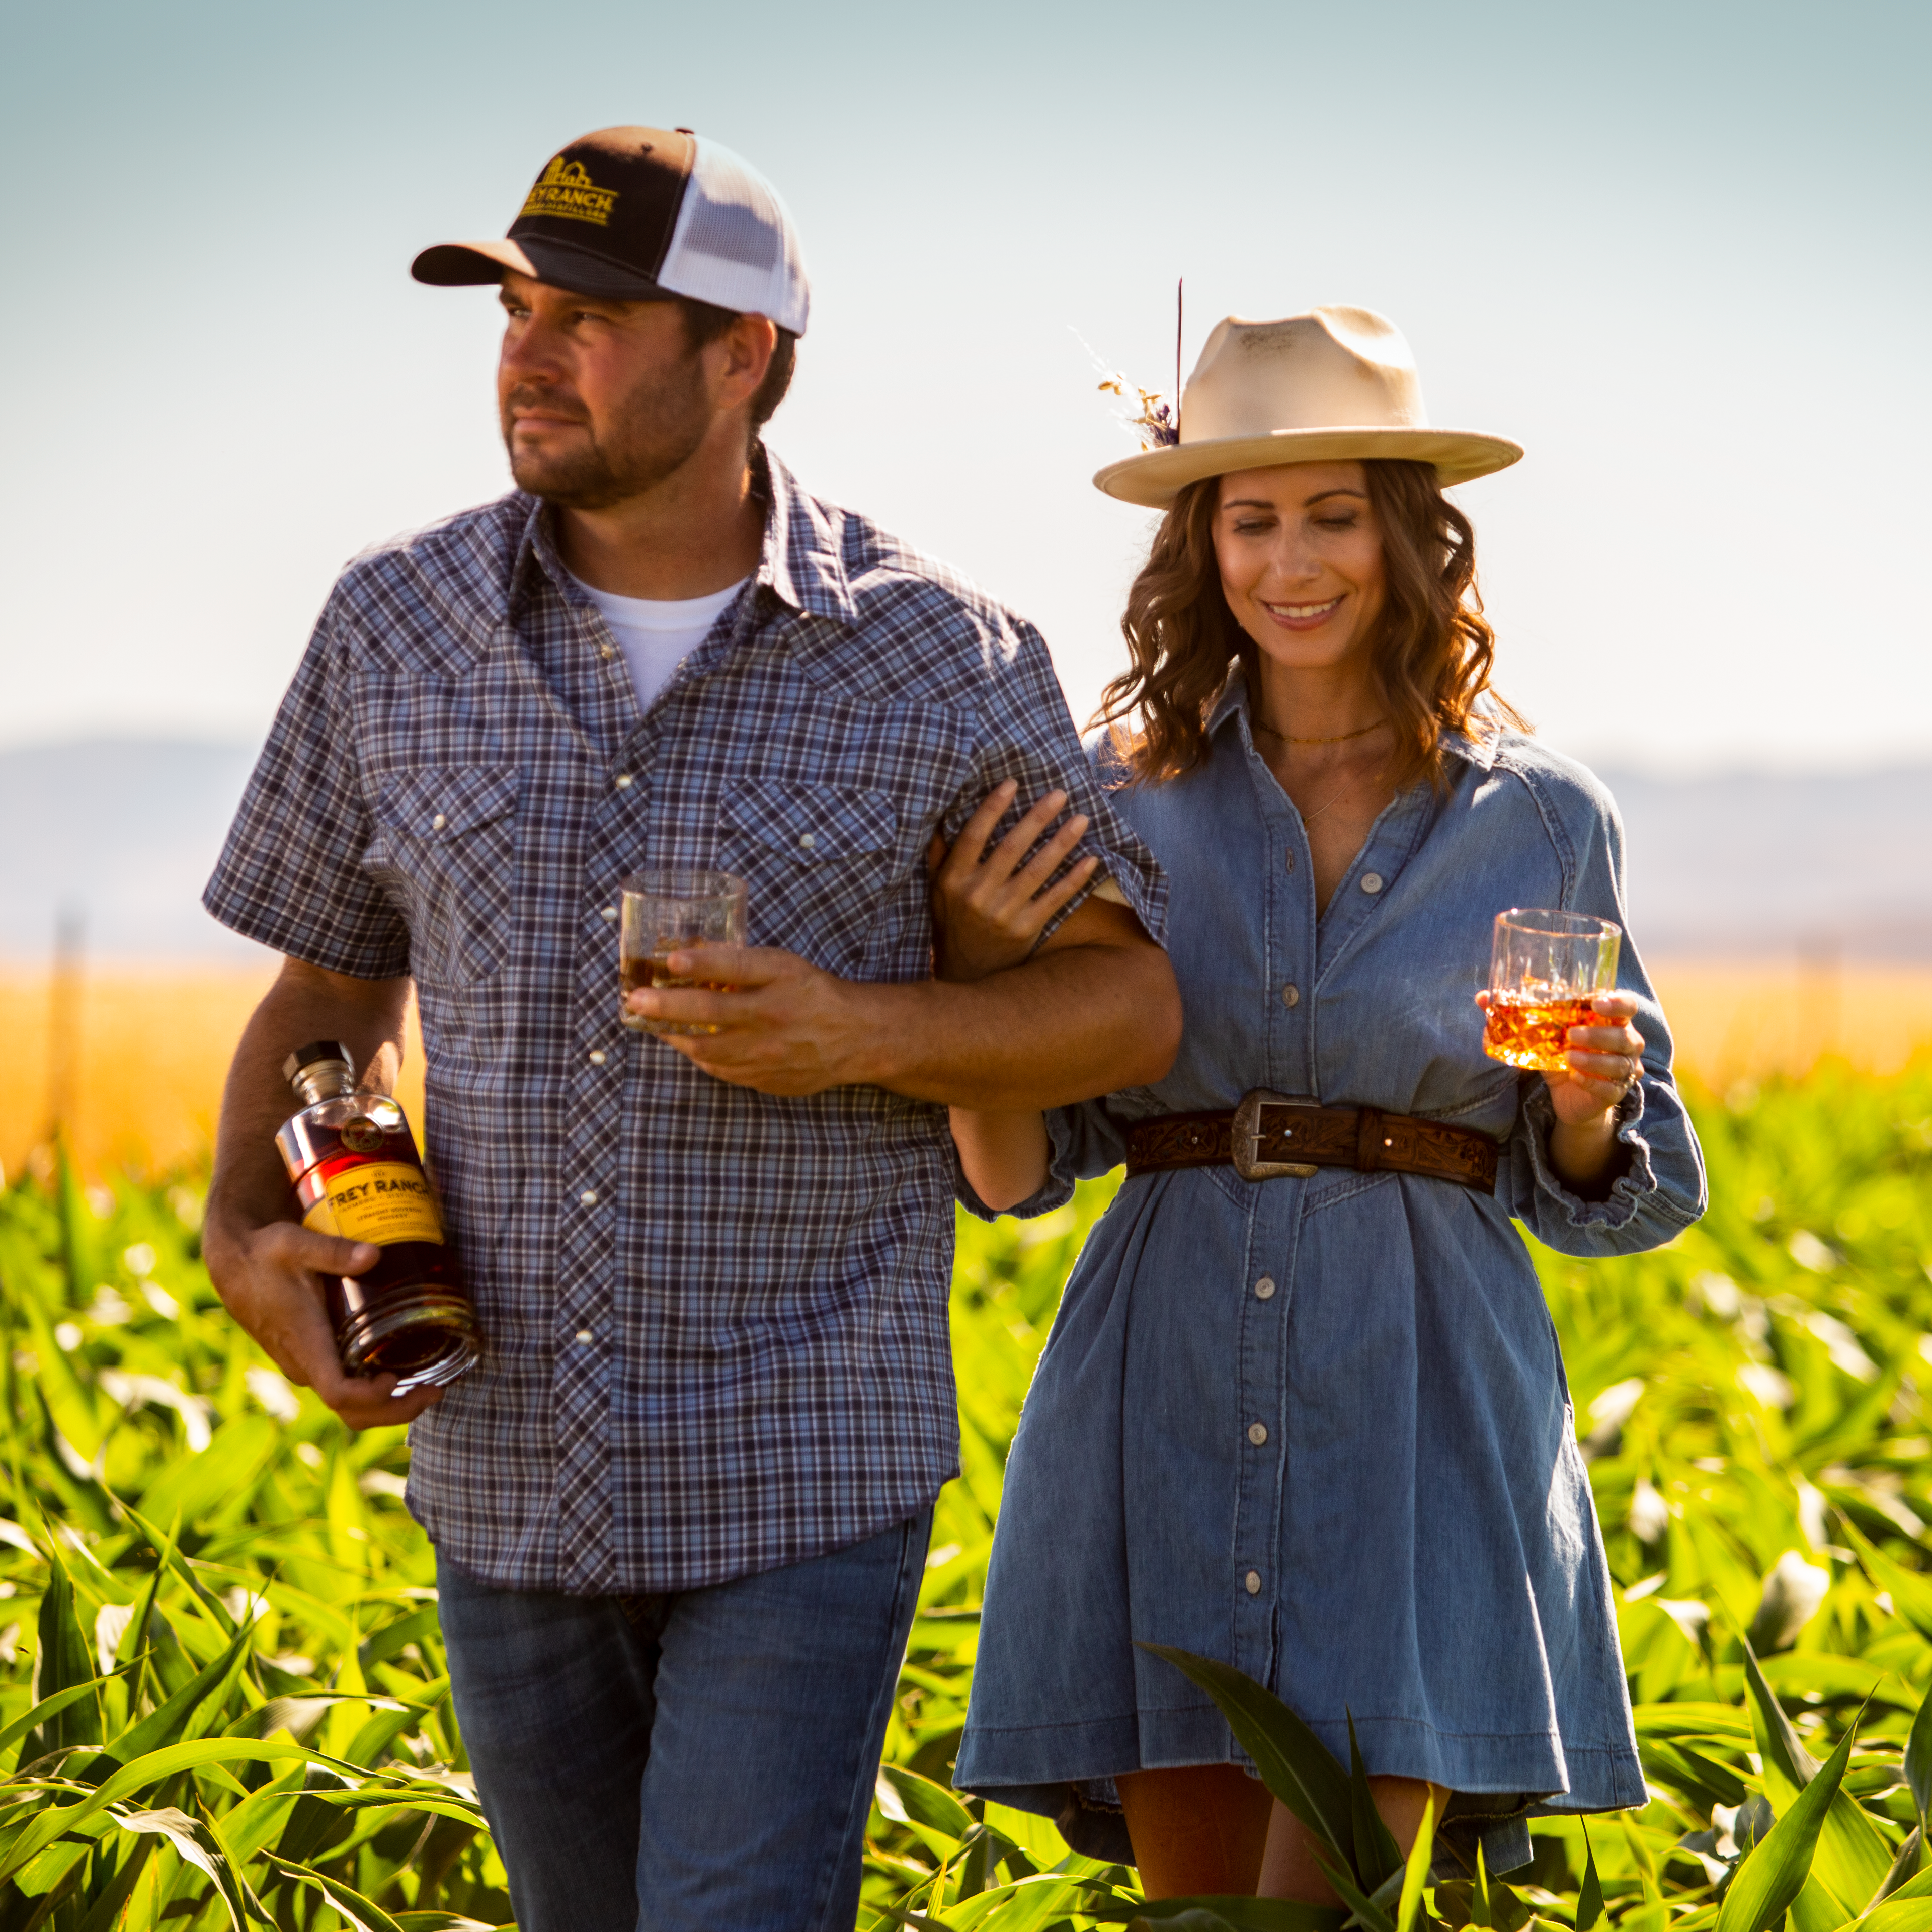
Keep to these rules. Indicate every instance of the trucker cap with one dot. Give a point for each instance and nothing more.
(640, 214)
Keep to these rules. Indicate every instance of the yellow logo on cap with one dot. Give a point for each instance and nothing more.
(566, 190)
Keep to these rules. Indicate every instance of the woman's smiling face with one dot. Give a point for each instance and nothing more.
(1301, 558)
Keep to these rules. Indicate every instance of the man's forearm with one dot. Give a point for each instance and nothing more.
(249, 1186)
(1067, 1026)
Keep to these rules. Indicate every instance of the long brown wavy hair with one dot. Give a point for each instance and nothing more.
(1430, 656)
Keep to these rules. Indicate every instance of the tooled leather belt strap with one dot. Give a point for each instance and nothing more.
(1271, 1134)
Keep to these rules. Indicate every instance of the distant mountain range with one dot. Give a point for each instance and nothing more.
(1742, 866)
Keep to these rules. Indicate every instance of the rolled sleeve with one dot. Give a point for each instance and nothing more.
(1661, 1190)
(1027, 735)
(1083, 1142)
(290, 874)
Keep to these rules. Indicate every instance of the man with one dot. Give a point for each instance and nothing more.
(681, 1508)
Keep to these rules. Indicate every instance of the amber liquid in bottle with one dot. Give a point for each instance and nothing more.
(356, 1173)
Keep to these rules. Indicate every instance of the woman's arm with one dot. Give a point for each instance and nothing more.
(988, 910)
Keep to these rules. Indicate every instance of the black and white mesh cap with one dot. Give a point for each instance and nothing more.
(640, 214)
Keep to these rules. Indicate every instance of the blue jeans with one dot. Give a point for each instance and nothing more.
(690, 1761)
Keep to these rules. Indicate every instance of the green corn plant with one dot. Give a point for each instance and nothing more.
(195, 1559)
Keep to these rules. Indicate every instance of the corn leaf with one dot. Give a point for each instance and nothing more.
(921, 1802)
(1851, 1860)
(1415, 1870)
(1919, 1759)
(1769, 1879)
(1294, 1764)
(1377, 1854)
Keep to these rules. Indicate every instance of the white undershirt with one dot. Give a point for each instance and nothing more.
(658, 634)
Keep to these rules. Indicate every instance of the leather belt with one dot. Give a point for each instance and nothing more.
(1271, 1134)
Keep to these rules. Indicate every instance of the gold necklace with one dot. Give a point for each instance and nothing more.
(1340, 738)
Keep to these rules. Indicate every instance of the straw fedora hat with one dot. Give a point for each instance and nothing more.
(1334, 384)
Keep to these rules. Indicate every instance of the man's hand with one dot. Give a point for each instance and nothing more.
(784, 1026)
(1094, 1008)
(270, 1278)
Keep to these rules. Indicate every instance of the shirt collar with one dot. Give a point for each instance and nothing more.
(799, 560)
(1477, 748)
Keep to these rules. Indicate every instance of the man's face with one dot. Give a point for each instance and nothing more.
(600, 400)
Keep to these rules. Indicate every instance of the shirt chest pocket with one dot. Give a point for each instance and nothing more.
(819, 860)
(445, 848)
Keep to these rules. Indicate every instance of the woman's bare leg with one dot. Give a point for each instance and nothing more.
(1200, 1828)
(1288, 1869)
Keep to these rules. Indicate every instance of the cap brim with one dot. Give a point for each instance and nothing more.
(1156, 477)
(453, 265)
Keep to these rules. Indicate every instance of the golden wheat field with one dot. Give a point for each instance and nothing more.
(139, 1077)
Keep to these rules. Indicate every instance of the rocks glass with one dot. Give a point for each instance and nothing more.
(665, 913)
(1545, 968)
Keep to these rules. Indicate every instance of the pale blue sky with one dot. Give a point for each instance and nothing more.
(1678, 251)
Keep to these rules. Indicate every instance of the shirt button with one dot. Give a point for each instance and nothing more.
(1264, 1288)
(1254, 1582)
(436, 823)
(605, 650)
(597, 1056)
(805, 839)
(1291, 996)
(1257, 1433)
(610, 912)
(588, 1197)
(622, 780)
(1372, 882)
(585, 1335)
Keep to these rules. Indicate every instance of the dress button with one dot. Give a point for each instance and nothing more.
(1372, 882)
(1254, 1582)
(597, 1056)
(1257, 1433)
(1264, 1288)
(436, 823)
(1291, 996)
(609, 912)
(622, 780)
(585, 1335)
(588, 1197)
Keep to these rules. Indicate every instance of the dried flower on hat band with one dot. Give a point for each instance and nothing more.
(1155, 426)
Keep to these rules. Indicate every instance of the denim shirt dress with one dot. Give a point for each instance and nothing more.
(1319, 1428)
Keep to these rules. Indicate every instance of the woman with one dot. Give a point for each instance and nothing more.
(1312, 1421)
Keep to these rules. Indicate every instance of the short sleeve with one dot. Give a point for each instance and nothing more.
(1026, 734)
(290, 875)
(1661, 1191)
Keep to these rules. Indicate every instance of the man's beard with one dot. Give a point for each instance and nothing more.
(653, 433)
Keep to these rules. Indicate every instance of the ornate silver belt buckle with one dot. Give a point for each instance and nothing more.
(1247, 1137)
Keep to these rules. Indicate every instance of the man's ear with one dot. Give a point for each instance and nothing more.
(750, 343)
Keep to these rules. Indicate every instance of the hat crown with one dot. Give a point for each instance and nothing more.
(1334, 368)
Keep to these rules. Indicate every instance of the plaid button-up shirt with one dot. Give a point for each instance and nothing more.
(716, 1321)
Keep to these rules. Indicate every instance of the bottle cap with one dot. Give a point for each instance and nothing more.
(317, 1053)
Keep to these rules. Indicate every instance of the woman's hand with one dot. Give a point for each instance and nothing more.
(1605, 1062)
(988, 908)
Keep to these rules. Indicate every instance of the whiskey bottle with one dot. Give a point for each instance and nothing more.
(356, 1173)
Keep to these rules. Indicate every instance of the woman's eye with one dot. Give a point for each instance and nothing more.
(1252, 527)
(1337, 522)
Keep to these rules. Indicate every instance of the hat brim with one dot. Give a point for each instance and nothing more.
(455, 265)
(1156, 477)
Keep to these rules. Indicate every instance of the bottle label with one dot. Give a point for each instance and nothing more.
(378, 1201)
